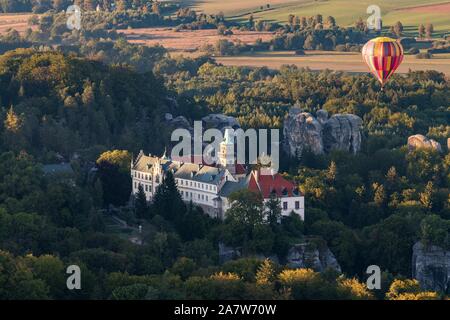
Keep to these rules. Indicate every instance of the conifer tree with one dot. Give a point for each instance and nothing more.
(140, 204)
(167, 201)
(266, 273)
(273, 212)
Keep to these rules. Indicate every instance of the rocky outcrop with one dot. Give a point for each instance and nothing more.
(321, 134)
(220, 121)
(228, 253)
(419, 141)
(342, 132)
(302, 130)
(178, 122)
(431, 267)
(306, 255)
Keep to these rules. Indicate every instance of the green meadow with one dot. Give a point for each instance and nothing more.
(410, 12)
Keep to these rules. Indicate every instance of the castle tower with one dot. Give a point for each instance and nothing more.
(226, 153)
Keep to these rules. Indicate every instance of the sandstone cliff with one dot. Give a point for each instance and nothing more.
(431, 267)
(321, 134)
(317, 258)
(419, 141)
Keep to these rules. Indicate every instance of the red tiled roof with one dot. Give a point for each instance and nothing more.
(266, 184)
(240, 169)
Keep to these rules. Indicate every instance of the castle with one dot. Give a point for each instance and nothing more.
(209, 186)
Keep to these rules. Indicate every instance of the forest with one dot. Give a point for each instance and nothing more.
(60, 104)
(95, 103)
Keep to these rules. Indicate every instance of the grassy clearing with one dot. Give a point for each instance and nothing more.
(339, 61)
(346, 12)
(16, 21)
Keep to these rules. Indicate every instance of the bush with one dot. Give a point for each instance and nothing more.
(424, 55)
(413, 50)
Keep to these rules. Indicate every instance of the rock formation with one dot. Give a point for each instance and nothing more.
(307, 256)
(419, 141)
(220, 121)
(321, 134)
(431, 267)
(342, 132)
(302, 130)
(178, 122)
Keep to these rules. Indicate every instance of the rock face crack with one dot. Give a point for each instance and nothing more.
(431, 267)
(321, 134)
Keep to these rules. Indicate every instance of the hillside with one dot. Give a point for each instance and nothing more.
(410, 12)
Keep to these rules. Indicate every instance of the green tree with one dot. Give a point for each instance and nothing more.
(398, 28)
(247, 208)
(266, 273)
(332, 172)
(426, 197)
(435, 231)
(140, 204)
(122, 5)
(184, 267)
(167, 201)
(155, 8)
(429, 29)
(380, 195)
(114, 172)
(422, 31)
(273, 212)
(136, 291)
(193, 225)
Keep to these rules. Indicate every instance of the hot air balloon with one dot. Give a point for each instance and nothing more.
(383, 55)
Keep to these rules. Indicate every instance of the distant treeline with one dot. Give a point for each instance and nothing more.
(40, 6)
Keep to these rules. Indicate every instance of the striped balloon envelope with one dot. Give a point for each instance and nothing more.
(383, 55)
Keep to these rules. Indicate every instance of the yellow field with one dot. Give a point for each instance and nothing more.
(339, 61)
(14, 21)
(188, 40)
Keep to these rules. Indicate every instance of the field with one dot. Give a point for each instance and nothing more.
(342, 61)
(410, 12)
(14, 21)
(187, 40)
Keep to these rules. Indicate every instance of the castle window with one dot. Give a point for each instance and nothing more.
(206, 198)
(297, 205)
(285, 205)
(146, 187)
